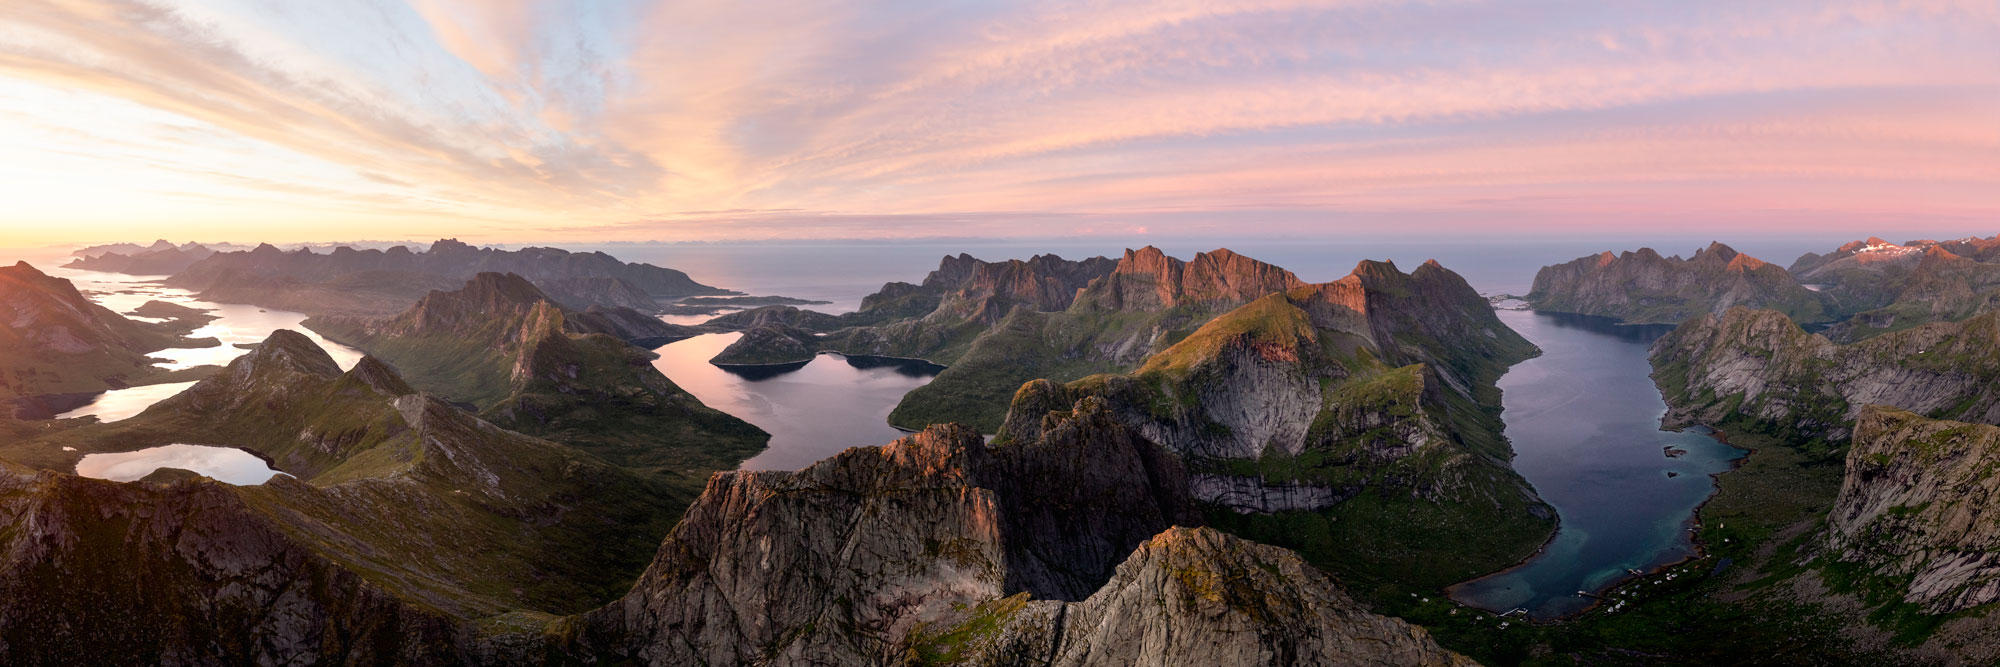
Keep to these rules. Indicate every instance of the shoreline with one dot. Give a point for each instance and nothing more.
(1692, 524)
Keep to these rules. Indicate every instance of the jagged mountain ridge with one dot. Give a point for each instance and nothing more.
(1144, 304)
(1916, 506)
(1644, 287)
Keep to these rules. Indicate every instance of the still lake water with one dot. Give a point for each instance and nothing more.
(812, 410)
(224, 464)
(234, 324)
(1584, 419)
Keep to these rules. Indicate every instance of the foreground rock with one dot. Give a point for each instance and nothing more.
(1643, 287)
(923, 552)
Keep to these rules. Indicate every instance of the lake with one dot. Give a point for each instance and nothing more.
(224, 464)
(1584, 419)
(234, 324)
(812, 410)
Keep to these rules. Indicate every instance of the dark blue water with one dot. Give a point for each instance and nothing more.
(1584, 419)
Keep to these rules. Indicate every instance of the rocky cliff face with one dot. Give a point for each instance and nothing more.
(1140, 305)
(183, 574)
(1189, 596)
(1917, 504)
(941, 549)
(1761, 366)
(1643, 287)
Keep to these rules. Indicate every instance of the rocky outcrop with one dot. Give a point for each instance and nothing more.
(940, 549)
(1190, 596)
(1147, 279)
(1759, 365)
(768, 344)
(843, 558)
(186, 573)
(1643, 287)
(274, 278)
(1916, 507)
(1248, 493)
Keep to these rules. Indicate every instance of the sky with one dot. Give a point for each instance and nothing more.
(636, 120)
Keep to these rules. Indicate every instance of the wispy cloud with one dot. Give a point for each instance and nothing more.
(613, 118)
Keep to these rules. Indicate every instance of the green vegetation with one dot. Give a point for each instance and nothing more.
(952, 645)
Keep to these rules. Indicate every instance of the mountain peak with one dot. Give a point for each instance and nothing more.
(288, 350)
(450, 245)
(380, 377)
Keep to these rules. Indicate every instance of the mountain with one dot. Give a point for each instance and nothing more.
(402, 523)
(1916, 508)
(159, 259)
(992, 333)
(940, 549)
(375, 282)
(1885, 287)
(1342, 407)
(1759, 366)
(505, 348)
(1644, 288)
(54, 340)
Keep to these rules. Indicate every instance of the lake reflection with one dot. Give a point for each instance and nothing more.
(1584, 419)
(812, 409)
(234, 324)
(225, 464)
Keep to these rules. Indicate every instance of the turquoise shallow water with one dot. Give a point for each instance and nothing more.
(1584, 419)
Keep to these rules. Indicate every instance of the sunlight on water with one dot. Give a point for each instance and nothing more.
(225, 464)
(119, 404)
(234, 324)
